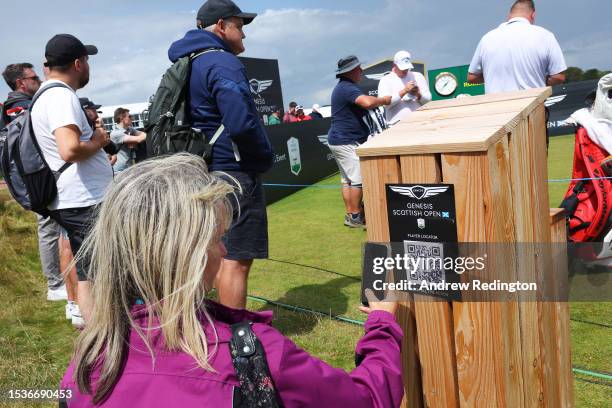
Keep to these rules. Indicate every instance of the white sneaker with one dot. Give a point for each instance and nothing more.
(77, 318)
(58, 294)
(69, 309)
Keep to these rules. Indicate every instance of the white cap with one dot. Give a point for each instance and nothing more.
(316, 107)
(402, 60)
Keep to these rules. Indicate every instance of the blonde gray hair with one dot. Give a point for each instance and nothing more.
(150, 242)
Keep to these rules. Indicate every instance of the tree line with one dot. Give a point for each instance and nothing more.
(575, 74)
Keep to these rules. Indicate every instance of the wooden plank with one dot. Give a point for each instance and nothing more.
(522, 162)
(500, 228)
(434, 320)
(506, 120)
(376, 172)
(547, 311)
(470, 111)
(475, 323)
(541, 93)
(413, 141)
(562, 334)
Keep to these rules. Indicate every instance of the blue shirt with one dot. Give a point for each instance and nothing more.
(347, 125)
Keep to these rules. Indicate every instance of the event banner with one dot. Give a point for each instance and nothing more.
(565, 100)
(265, 84)
(302, 157)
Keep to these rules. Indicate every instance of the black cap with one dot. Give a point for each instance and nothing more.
(62, 49)
(87, 104)
(213, 10)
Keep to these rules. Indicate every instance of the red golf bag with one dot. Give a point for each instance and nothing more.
(588, 201)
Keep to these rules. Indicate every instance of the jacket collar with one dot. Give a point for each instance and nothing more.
(220, 313)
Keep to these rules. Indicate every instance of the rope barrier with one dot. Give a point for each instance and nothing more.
(577, 370)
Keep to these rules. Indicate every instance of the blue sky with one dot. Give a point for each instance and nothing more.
(307, 37)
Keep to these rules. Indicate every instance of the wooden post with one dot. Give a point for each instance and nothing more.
(488, 353)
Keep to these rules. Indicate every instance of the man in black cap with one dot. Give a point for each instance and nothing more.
(68, 142)
(222, 106)
(348, 130)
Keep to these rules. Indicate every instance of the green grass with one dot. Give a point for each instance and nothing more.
(306, 229)
(560, 159)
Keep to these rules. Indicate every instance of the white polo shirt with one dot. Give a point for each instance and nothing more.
(83, 184)
(391, 85)
(517, 55)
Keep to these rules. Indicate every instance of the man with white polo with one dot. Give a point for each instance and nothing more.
(408, 90)
(518, 54)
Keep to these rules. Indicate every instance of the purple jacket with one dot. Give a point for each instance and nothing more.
(300, 379)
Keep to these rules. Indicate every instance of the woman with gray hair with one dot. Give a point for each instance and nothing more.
(154, 339)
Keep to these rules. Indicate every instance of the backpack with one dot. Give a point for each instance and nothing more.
(5, 118)
(29, 178)
(249, 361)
(168, 125)
(588, 203)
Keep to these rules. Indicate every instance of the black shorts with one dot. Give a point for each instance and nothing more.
(247, 238)
(77, 222)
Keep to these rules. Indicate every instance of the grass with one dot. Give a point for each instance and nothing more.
(314, 262)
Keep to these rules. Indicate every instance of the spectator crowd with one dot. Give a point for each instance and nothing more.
(140, 247)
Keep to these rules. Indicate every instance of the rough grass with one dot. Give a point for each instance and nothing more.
(314, 263)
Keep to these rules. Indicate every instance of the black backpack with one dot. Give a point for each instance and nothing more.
(168, 125)
(29, 178)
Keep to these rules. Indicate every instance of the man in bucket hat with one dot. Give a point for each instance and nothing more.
(348, 130)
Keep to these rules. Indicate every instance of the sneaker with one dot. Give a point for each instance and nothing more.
(58, 294)
(77, 318)
(354, 221)
(69, 309)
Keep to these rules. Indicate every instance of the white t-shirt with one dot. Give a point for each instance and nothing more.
(83, 184)
(517, 55)
(391, 85)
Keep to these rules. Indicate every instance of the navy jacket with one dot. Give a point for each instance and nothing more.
(220, 93)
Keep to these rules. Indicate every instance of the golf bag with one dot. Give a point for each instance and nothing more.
(588, 201)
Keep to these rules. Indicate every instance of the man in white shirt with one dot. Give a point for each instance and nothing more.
(408, 90)
(65, 136)
(518, 54)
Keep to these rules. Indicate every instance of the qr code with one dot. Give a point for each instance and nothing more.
(426, 261)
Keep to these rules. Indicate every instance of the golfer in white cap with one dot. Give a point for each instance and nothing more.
(408, 90)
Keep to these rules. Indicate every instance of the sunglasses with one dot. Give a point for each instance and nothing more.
(34, 78)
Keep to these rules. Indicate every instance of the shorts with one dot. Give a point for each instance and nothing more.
(247, 237)
(77, 222)
(348, 163)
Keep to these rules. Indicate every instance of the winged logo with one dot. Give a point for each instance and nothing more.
(419, 192)
(553, 100)
(377, 77)
(257, 86)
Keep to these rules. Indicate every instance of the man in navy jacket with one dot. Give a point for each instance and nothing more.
(221, 102)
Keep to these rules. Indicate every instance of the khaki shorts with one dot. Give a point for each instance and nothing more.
(348, 163)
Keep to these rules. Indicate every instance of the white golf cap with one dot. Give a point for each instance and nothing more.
(402, 60)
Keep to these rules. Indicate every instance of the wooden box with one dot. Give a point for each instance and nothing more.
(492, 148)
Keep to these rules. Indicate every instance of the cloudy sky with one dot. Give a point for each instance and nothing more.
(307, 37)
